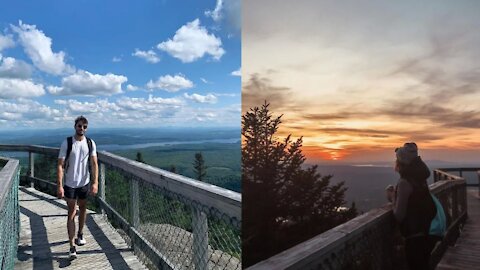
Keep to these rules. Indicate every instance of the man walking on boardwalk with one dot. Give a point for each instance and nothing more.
(77, 158)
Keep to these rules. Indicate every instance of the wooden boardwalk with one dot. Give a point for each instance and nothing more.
(466, 252)
(44, 244)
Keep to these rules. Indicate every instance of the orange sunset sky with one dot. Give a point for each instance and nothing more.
(358, 78)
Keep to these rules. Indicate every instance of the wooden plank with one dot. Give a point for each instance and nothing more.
(44, 241)
(466, 252)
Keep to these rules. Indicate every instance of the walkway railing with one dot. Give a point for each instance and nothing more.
(372, 240)
(171, 221)
(446, 174)
(9, 212)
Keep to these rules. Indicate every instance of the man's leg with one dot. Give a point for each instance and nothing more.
(72, 211)
(82, 205)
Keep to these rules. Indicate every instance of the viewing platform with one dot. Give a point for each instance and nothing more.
(142, 218)
(372, 240)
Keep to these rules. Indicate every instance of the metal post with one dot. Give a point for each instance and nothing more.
(101, 186)
(31, 164)
(478, 174)
(200, 239)
(135, 202)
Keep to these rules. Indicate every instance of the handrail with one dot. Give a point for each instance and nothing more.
(206, 201)
(213, 196)
(9, 213)
(443, 174)
(371, 240)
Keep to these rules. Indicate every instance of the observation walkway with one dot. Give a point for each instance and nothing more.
(466, 252)
(373, 241)
(44, 244)
(142, 218)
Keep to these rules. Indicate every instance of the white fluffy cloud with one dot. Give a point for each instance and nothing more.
(192, 42)
(215, 14)
(39, 48)
(132, 87)
(149, 104)
(209, 98)
(85, 83)
(6, 42)
(237, 72)
(116, 59)
(18, 88)
(205, 116)
(150, 56)
(24, 109)
(12, 68)
(170, 83)
(134, 111)
(100, 105)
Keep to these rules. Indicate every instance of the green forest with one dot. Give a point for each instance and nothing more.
(221, 159)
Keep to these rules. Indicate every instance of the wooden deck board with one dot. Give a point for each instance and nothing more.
(466, 252)
(44, 244)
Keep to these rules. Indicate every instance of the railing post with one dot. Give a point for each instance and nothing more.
(101, 186)
(435, 176)
(454, 193)
(200, 239)
(135, 202)
(478, 175)
(31, 164)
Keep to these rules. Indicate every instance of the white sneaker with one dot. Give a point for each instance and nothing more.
(73, 253)
(80, 241)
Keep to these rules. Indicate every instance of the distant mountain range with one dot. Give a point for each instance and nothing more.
(366, 182)
(124, 136)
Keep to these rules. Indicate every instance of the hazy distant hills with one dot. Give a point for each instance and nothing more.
(123, 136)
(366, 182)
(164, 148)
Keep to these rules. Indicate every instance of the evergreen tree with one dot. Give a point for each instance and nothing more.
(140, 157)
(283, 203)
(199, 167)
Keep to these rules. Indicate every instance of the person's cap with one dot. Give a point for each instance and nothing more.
(407, 153)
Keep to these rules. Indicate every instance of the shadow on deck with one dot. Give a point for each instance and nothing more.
(44, 244)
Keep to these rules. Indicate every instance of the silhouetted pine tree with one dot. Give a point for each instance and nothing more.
(283, 204)
(199, 167)
(140, 157)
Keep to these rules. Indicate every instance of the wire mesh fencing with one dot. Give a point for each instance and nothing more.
(9, 221)
(186, 233)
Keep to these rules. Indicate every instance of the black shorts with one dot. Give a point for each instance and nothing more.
(76, 193)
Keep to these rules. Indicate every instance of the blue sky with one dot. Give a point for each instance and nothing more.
(120, 63)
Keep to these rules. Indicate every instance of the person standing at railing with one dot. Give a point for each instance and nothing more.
(78, 159)
(413, 206)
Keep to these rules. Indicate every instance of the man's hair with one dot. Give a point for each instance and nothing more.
(82, 119)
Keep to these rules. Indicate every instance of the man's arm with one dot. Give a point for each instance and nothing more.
(60, 178)
(94, 163)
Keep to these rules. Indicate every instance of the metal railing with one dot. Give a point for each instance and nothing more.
(171, 221)
(9, 212)
(372, 240)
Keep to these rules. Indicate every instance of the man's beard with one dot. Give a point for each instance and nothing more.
(79, 134)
